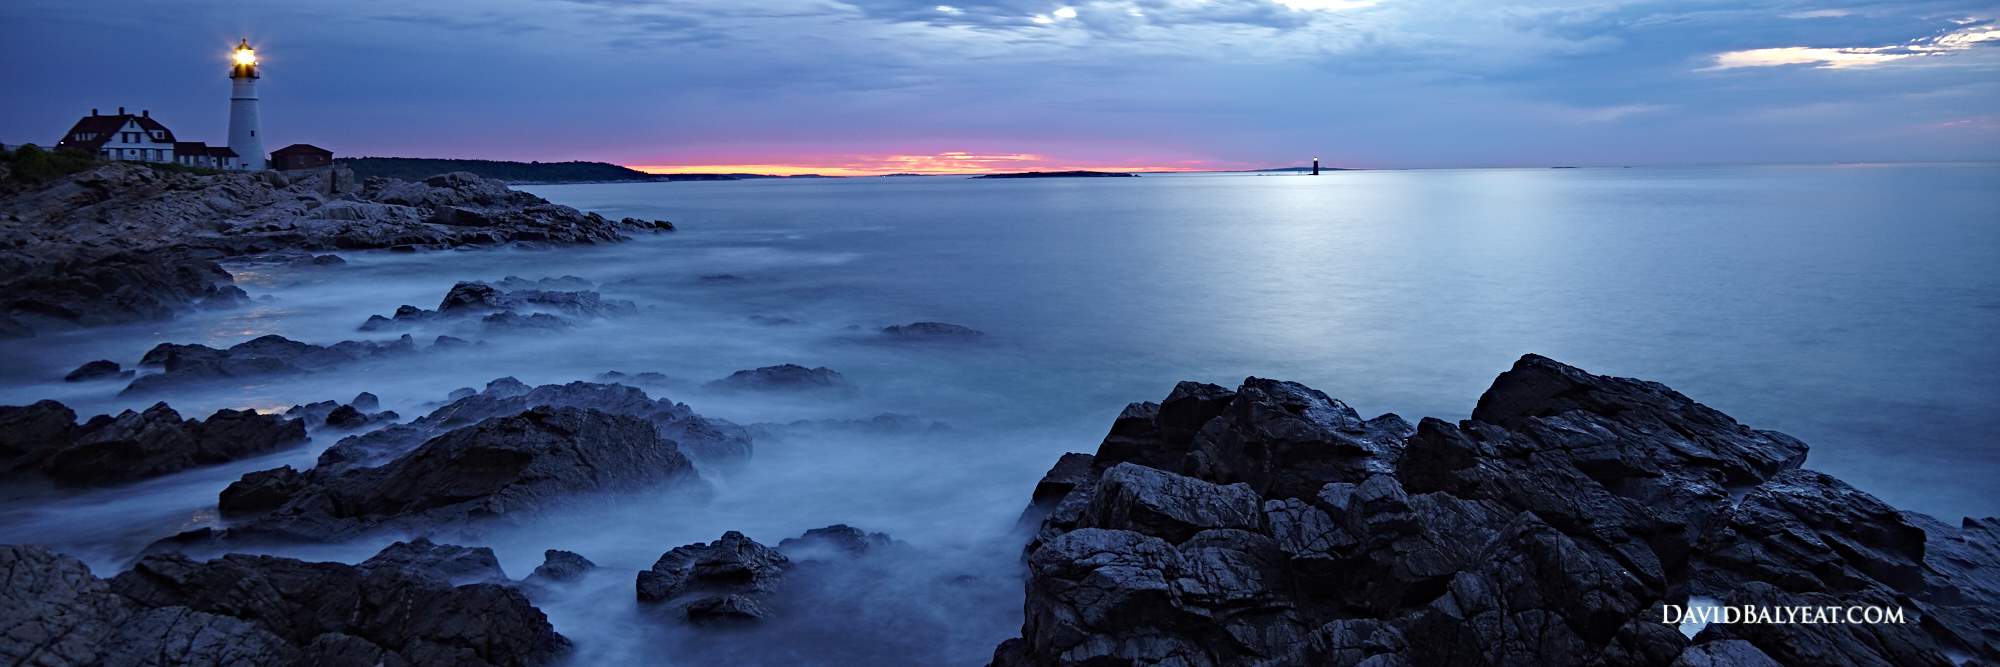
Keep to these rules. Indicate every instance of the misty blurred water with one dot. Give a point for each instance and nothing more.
(1852, 307)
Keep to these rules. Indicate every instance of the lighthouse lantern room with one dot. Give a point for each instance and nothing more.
(243, 130)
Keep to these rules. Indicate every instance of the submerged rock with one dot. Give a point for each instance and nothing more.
(784, 378)
(885, 424)
(1271, 525)
(43, 439)
(931, 331)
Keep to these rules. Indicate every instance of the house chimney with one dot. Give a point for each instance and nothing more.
(146, 112)
(121, 111)
(93, 112)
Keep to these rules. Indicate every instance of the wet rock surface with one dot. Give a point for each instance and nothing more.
(560, 566)
(261, 610)
(707, 440)
(1272, 525)
(181, 365)
(499, 467)
(735, 579)
(725, 580)
(102, 369)
(785, 378)
(44, 439)
(124, 242)
(508, 305)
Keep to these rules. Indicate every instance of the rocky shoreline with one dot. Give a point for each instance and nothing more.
(1267, 524)
(123, 242)
(1272, 525)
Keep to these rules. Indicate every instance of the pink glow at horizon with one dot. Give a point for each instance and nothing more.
(947, 162)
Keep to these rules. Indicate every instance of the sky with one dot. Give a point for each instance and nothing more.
(849, 87)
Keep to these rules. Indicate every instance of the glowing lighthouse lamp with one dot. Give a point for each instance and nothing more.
(243, 134)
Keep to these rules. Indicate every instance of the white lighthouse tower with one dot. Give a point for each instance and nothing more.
(244, 136)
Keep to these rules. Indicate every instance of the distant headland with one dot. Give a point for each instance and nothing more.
(1061, 174)
(411, 168)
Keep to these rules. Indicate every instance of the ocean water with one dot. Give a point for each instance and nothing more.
(1853, 307)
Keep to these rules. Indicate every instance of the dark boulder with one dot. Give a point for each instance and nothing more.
(724, 580)
(514, 304)
(448, 563)
(132, 446)
(346, 417)
(784, 378)
(839, 540)
(259, 610)
(560, 566)
(264, 355)
(261, 491)
(499, 467)
(97, 370)
(30, 433)
(1272, 525)
(468, 297)
(706, 440)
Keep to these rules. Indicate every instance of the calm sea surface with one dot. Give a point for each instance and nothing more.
(1853, 307)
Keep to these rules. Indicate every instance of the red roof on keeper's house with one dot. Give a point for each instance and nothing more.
(301, 149)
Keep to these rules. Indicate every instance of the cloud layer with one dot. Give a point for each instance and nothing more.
(903, 85)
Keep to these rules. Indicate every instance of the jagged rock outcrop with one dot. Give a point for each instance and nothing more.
(707, 440)
(448, 563)
(724, 580)
(515, 304)
(260, 610)
(126, 242)
(785, 378)
(559, 567)
(736, 579)
(44, 439)
(838, 539)
(101, 369)
(356, 414)
(499, 467)
(264, 355)
(1271, 525)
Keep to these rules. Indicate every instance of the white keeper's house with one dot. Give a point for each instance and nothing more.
(140, 138)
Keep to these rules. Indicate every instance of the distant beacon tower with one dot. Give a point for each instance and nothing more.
(1315, 164)
(243, 135)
